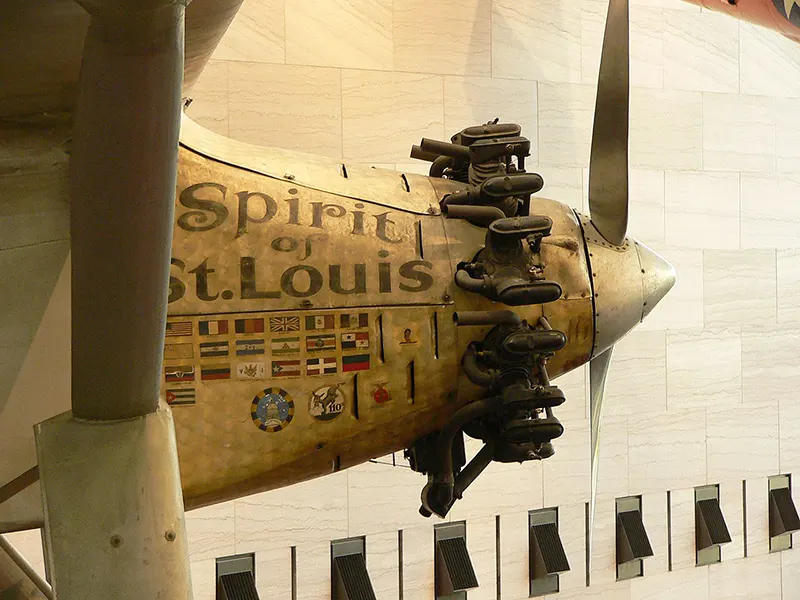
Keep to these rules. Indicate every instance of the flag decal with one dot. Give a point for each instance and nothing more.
(321, 366)
(281, 324)
(288, 345)
(179, 373)
(180, 396)
(286, 368)
(217, 327)
(249, 325)
(209, 349)
(360, 339)
(357, 362)
(179, 328)
(325, 341)
(215, 372)
(249, 347)
(251, 370)
(353, 321)
(178, 351)
(316, 322)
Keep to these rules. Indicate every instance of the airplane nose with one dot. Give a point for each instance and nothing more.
(658, 277)
(627, 282)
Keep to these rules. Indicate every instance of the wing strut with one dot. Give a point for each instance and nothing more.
(111, 491)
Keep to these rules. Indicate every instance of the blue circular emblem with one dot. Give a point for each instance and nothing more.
(272, 409)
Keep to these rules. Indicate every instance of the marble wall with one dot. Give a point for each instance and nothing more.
(705, 391)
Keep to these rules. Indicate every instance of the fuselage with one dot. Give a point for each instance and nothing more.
(311, 312)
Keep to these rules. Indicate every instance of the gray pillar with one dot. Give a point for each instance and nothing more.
(122, 177)
(114, 522)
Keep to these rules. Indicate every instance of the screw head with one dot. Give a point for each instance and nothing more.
(116, 540)
(170, 535)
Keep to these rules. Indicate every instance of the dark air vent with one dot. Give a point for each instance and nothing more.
(452, 566)
(711, 527)
(237, 586)
(457, 563)
(632, 542)
(236, 577)
(782, 512)
(549, 556)
(352, 579)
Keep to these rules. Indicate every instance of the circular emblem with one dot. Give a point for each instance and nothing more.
(326, 402)
(380, 394)
(272, 409)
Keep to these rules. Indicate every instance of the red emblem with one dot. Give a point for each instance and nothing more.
(380, 394)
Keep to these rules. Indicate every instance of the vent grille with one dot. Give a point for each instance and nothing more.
(711, 515)
(237, 586)
(549, 545)
(782, 505)
(635, 534)
(351, 570)
(457, 562)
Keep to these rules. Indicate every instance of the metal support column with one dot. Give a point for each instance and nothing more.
(18, 580)
(114, 522)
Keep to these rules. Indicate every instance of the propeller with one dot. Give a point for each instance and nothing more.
(598, 371)
(608, 187)
(608, 165)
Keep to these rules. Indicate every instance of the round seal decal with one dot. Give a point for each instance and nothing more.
(381, 394)
(272, 409)
(326, 402)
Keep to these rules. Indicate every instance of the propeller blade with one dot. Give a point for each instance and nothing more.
(608, 164)
(598, 370)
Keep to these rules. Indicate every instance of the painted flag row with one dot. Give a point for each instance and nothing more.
(278, 346)
(324, 365)
(275, 324)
